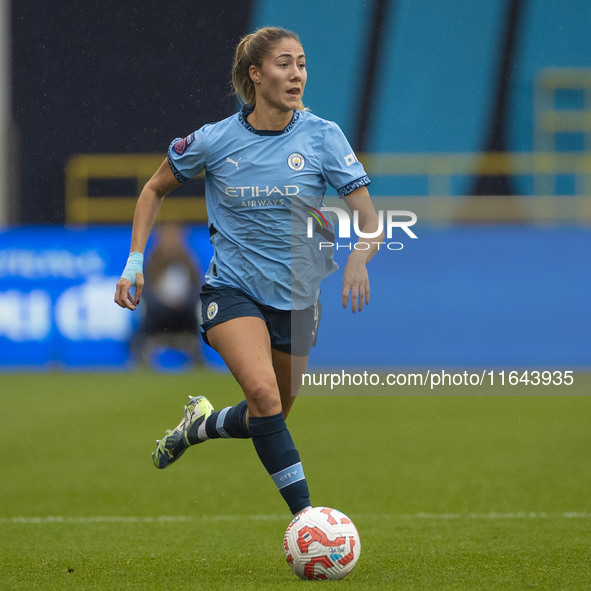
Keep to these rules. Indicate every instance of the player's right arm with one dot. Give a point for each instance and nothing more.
(162, 182)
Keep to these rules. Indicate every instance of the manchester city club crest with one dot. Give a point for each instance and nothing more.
(296, 161)
(212, 310)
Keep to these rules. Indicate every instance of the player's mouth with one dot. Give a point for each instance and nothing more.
(294, 91)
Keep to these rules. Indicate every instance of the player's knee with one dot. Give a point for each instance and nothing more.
(262, 397)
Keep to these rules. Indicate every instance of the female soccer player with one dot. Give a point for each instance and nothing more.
(258, 163)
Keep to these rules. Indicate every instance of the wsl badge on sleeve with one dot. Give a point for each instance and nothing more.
(182, 144)
(296, 161)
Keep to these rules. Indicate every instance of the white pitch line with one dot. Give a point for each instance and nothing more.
(138, 519)
(526, 515)
(492, 515)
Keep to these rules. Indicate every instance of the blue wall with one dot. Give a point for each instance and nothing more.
(555, 35)
(487, 297)
(437, 76)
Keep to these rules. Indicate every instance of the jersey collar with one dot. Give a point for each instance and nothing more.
(246, 109)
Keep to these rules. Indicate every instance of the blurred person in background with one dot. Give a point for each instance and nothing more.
(170, 297)
(257, 162)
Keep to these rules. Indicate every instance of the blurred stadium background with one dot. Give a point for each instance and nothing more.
(476, 115)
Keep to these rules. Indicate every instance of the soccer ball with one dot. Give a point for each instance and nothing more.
(321, 543)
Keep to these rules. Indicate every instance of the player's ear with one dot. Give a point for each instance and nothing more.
(254, 74)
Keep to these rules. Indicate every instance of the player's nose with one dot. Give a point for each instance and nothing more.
(295, 73)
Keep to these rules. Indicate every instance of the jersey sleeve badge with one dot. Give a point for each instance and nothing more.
(350, 159)
(181, 146)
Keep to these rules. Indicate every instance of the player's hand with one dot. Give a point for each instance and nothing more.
(355, 283)
(123, 295)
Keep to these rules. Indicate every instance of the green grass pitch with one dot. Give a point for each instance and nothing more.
(448, 492)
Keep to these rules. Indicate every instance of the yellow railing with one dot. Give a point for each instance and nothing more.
(552, 118)
(440, 169)
(439, 203)
(81, 208)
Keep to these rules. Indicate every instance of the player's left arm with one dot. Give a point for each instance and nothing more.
(355, 276)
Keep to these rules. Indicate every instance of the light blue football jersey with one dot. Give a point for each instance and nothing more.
(253, 180)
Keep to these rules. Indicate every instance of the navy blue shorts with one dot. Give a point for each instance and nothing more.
(291, 331)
